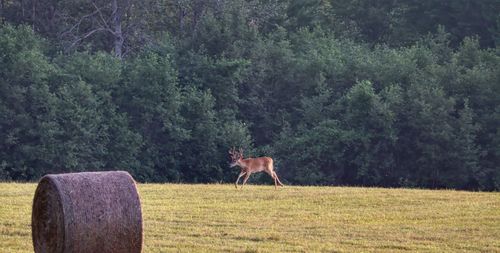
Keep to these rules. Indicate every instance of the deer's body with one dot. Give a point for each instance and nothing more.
(253, 165)
(256, 164)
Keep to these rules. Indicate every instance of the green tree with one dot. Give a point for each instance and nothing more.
(103, 73)
(151, 99)
(26, 103)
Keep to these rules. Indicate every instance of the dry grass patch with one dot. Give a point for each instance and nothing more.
(218, 218)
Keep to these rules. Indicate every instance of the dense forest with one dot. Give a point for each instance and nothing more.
(339, 92)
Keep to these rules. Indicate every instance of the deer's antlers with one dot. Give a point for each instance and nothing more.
(235, 153)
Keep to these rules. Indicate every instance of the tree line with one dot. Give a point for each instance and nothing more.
(373, 93)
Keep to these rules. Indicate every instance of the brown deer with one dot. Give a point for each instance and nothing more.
(252, 165)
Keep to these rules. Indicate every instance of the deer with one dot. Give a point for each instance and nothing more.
(252, 165)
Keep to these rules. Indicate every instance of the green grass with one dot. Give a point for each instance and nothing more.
(218, 218)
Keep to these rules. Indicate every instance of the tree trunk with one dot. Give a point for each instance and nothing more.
(22, 10)
(33, 14)
(117, 27)
(2, 6)
(182, 14)
(198, 9)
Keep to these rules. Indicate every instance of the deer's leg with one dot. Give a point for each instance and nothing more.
(272, 174)
(245, 179)
(277, 178)
(275, 183)
(239, 176)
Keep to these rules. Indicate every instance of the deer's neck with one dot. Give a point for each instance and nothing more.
(242, 163)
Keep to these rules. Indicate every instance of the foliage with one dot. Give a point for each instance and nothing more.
(399, 94)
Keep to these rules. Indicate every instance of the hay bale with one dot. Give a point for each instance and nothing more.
(87, 212)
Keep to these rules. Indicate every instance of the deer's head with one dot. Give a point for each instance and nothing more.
(235, 156)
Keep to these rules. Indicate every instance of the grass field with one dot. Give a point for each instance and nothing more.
(219, 218)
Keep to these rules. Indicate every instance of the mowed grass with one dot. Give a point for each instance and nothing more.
(219, 218)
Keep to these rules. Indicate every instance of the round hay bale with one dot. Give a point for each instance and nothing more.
(87, 212)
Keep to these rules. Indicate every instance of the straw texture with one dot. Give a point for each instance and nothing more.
(87, 212)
